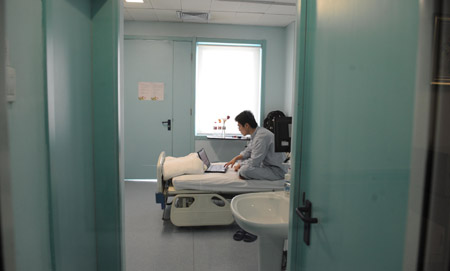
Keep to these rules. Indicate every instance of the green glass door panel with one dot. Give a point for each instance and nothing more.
(352, 154)
(145, 135)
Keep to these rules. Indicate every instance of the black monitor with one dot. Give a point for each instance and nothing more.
(283, 132)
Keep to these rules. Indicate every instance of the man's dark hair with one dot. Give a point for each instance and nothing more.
(246, 117)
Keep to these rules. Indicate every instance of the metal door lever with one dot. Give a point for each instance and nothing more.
(305, 213)
(168, 122)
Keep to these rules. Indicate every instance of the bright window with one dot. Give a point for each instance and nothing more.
(228, 81)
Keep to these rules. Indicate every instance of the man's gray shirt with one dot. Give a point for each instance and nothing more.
(260, 152)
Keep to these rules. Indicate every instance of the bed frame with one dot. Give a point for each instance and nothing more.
(191, 207)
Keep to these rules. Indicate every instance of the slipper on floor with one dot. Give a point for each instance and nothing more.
(239, 235)
(249, 237)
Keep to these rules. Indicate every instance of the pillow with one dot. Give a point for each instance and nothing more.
(189, 164)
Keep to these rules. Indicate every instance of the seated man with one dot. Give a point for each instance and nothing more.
(259, 159)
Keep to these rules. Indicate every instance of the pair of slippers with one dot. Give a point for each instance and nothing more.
(243, 235)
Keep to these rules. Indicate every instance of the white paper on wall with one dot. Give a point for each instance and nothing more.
(151, 91)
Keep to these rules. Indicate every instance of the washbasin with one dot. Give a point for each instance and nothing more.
(262, 213)
(266, 215)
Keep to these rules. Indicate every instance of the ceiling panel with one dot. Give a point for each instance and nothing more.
(196, 5)
(166, 4)
(165, 15)
(145, 14)
(224, 6)
(253, 8)
(126, 15)
(146, 4)
(276, 13)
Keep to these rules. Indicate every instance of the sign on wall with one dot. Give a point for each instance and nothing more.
(151, 91)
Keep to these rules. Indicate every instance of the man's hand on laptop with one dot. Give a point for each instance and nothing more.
(233, 161)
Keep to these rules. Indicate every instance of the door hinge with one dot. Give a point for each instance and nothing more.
(191, 111)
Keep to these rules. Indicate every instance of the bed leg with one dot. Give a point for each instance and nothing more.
(164, 216)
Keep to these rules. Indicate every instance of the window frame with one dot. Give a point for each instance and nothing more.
(237, 42)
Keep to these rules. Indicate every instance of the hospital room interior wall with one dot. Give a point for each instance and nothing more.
(106, 33)
(277, 81)
(275, 84)
(69, 80)
(50, 134)
(26, 117)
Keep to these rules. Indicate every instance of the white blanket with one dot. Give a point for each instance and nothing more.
(224, 182)
(176, 166)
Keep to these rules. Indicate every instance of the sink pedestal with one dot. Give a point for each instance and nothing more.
(266, 215)
(270, 255)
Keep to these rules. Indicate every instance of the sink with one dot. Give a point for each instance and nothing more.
(267, 216)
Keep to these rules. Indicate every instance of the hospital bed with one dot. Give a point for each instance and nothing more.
(203, 199)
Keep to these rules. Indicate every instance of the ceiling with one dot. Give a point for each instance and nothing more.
(242, 12)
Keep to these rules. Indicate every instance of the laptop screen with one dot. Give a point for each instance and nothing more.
(203, 157)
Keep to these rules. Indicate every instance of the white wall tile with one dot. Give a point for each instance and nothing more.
(217, 5)
(166, 4)
(146, 4)
(196, 5)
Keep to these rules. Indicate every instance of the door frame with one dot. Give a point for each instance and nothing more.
(7, 256)
(295, 226)
(192, 94)
(176, 42)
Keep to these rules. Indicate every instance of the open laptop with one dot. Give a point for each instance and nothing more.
(211, 168)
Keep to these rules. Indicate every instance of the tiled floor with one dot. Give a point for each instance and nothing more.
(154, 244)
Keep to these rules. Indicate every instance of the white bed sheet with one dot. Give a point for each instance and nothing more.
(224, 182)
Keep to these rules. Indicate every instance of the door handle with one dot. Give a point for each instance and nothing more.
(169, 124)
(305, 213)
